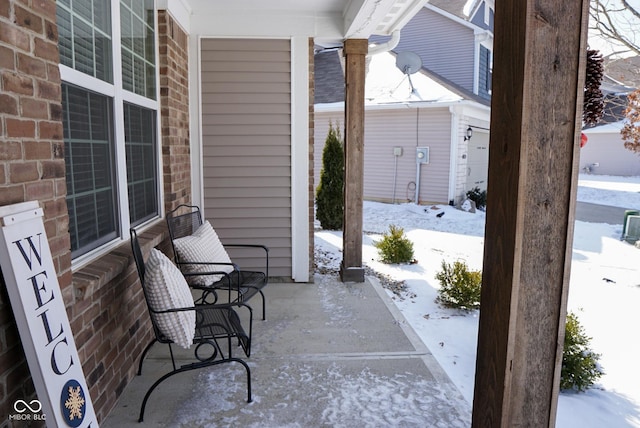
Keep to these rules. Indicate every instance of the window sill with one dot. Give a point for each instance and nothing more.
(101, 271)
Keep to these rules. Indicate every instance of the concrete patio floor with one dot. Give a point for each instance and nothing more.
(329, 354)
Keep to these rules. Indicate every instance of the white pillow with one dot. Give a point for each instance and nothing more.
(167, 289)
(203, 246)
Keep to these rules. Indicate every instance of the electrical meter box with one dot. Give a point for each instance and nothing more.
(422, 154)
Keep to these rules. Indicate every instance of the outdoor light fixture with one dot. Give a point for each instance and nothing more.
(469, 134)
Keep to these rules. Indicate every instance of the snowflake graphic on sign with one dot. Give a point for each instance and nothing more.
(73, 403)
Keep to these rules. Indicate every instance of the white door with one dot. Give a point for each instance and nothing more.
(478, 160)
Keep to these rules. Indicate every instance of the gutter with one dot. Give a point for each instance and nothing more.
(386, 46)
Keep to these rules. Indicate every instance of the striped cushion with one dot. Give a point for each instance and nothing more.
(167, 289)
(203, 246)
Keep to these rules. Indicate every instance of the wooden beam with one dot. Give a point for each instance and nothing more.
(538, 79)
(355, 52)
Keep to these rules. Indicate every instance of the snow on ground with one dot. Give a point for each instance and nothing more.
(604, 293)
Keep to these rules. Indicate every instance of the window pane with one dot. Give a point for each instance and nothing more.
(140, 146)
(138, 47)
(84, 28)
(91, 193)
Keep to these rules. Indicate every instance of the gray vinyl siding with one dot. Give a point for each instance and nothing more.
(246, 139)
(407, 129)
(445, 46)
(608, 152)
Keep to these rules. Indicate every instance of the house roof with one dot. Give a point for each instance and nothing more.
(454, 7)
(385, 83)
(624, 70)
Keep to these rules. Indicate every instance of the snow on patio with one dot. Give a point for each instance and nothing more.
(604, 293)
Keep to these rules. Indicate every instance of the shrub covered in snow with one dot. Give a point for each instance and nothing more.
(459, 286)
(479, 197)
(580, 368)
(395, 247)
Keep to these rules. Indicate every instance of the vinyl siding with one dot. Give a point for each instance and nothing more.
(607, 150)
(407, 129)
(445, 46)
(246, 153)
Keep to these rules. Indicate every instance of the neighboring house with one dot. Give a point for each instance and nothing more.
(399, 122)
(454, 40)
(604, 153)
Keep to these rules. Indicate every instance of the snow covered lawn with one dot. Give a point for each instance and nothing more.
(604, 293)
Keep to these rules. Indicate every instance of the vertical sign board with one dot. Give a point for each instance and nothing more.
(48, 343)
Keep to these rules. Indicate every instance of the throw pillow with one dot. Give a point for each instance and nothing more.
(167, 289)
(203, 246)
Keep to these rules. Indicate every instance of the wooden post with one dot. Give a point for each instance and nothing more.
(539, 67)
(355, 52)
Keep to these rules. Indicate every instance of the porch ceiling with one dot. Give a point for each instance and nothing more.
(332, 20)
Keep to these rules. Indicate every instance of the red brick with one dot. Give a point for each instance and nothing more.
(3, 179)
(49, 90)
(33, 108)
(23, 172)
(14, 36)
(53, 169)
(55, 208)
(20, 128)
(37, 150)
(59, 244)
(12, 195)
(10, 150)
(50, 130)
(13, 82)
(53, 73)
(39, 190)
(55, 111)
(8, 104)
(7, 58)
(46, 49)
(5, 8)
(46, 7)
(51, 31)
(28, 19)
(61, 188)
(32, 66)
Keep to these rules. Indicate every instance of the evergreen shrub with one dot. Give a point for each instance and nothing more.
(395, 247)
(479, 197)
(329, 194)
(580, 368)
(459, 286)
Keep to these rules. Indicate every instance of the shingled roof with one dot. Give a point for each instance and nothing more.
(329, 77)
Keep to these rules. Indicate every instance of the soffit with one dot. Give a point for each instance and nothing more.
(326, 20)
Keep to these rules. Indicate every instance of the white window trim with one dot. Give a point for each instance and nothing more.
(120, 96)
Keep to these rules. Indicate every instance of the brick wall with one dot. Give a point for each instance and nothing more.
(31, 160)
(312, 190)
(174, 96)
(104, 299)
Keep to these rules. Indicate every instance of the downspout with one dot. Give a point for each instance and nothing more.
(386, 46)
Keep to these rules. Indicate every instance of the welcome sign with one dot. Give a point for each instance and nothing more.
(34, 291)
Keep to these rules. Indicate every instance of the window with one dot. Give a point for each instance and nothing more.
(139, 127)
(107, 65)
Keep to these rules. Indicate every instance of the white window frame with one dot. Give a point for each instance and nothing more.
(119, 96)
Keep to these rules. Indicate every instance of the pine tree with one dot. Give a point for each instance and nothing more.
(329, 194)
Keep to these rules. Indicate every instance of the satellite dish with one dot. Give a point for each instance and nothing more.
(408, 62)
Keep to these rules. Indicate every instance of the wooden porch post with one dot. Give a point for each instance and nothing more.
(355, 52)
(540, 50)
